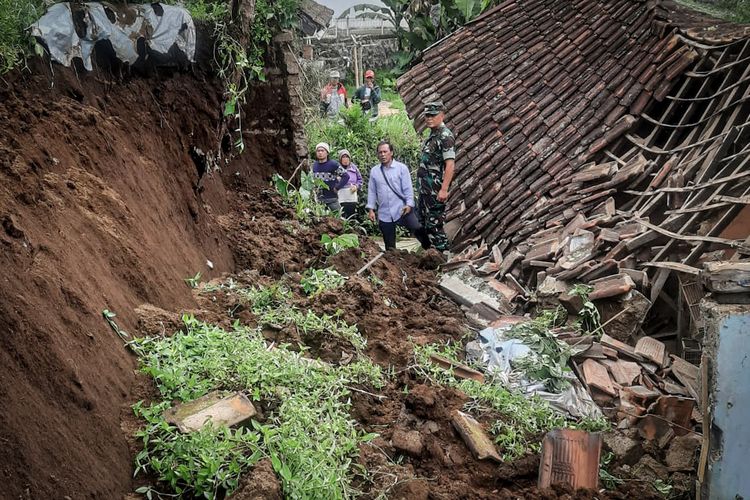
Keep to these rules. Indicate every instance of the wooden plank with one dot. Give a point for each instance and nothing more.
(674, 266)
(596, 376)
(738, 245)
(459, 370)
(652, 349)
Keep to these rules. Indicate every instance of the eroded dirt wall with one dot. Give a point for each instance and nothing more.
(101, 207)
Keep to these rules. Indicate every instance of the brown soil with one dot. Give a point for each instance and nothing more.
(101, 207)
(418, 454)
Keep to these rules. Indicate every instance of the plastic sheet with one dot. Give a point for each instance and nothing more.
(160, 26)
(497, 352)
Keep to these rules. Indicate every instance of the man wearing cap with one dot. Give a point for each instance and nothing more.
(435, 173)
(389, 190)
(368, 95)
(331, 173)
(332, 96)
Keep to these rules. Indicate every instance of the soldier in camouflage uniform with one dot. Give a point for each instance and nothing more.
(435, 174)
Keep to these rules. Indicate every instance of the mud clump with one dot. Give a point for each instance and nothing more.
(260, 484)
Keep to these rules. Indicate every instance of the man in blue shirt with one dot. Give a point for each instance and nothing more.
(391, 192)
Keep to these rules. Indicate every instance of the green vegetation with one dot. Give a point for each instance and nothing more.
(307, 432)
(737, 11)
(607, 479)
(302, 199)
(193, 281)
(361, 137)
(315, 281)
(548, 360)
(521, 420)
(15, 43)
(273, 306)
(589, 318)
(337, 244)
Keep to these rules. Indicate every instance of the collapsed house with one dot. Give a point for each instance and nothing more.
(605, 143)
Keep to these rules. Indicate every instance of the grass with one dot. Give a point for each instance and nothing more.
(737, 11)
(307, 433)
(272, 306)
(15, 43)
(315, 281)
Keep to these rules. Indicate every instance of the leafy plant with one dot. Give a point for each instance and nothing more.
(337, 244)
(589, 318)
(201, 463)
(109, 317)
(15, 43)
(548, 360)
(272, 305)
(315, 281)
(302, 199)
(521, 421)
(608, 480)
(662, 487)
(193, 281)
(308, 433)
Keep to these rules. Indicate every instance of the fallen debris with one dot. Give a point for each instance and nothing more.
(570, 457)
(459, 370)
(409, 442)
(475, 437)
(213, 409)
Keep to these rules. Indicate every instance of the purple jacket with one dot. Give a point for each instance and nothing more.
(333, 175)
(355, 177)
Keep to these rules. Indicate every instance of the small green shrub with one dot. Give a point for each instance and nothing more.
(15, 43)
(308, 433)
(315, 281)
(302, 199)
(337, 244)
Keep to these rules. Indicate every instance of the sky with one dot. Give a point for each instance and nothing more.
(339, 5)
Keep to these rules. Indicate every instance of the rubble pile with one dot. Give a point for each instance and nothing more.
(654, 398)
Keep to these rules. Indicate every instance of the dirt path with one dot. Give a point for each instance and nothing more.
(385, 109)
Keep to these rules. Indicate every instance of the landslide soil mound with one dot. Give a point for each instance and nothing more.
(418, 454)
(102, 206)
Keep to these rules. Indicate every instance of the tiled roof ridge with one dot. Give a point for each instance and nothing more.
(534, 90)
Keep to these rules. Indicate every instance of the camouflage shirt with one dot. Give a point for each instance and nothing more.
(437, 148)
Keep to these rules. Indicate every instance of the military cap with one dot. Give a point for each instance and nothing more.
(433, 108)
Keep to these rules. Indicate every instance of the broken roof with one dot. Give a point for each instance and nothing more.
(314, 16)
(541, 94)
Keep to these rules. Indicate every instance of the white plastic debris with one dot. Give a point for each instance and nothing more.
(160, 26)
(498, 353)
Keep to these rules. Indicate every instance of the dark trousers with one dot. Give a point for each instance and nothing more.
(408, 221)
(349, 208)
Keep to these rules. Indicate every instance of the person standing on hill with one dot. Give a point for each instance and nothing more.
(436, 170)
(390, 191)
(348, 195)
(368, 95)
(332, 96)
(332, 174)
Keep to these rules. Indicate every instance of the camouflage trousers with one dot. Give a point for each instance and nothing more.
(431, 214)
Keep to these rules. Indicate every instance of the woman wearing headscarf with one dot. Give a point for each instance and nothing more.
(349, 194)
